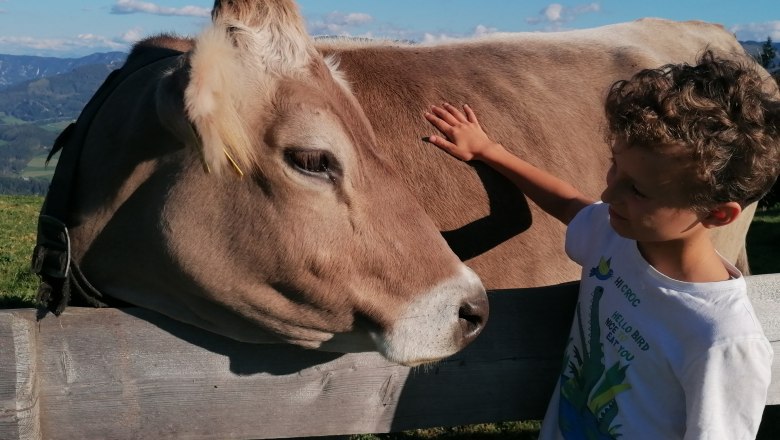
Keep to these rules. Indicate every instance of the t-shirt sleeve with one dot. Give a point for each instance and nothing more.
(585, 230)
(726, 389)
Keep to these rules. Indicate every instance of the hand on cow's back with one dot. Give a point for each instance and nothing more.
(464, 137)
(466, 140)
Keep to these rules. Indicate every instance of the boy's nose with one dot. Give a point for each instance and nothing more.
(610, 180)
(609, 195)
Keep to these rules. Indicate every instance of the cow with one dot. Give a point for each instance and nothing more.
(345, 222)
(238, 187)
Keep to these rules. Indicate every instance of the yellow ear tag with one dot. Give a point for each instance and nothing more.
(202, 156)
(201, 153)
(233, 162)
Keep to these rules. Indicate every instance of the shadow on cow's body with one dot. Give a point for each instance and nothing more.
(508, 215)
(335, 226)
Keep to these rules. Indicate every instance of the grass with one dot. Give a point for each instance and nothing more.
(18, 222)
(528, 430)
(763, 242)
(10, 120)
(18, 218)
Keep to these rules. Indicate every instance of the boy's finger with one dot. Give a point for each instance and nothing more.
(444, 114)
(470, 114)
(442, 143)
(455, 112)
(438, 122)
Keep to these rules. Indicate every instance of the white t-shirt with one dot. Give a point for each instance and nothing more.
(650, 357)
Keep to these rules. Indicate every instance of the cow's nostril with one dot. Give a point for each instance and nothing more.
(472, 317)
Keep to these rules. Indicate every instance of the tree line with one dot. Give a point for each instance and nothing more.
(24, 186)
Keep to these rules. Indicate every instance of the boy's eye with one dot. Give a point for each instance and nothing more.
(637, 192)
(612, 164)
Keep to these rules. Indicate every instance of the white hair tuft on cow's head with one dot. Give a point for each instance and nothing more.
(235, 64)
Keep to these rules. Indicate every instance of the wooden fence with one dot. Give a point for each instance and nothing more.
(134, 374)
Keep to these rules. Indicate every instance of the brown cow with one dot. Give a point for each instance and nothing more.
(318, 238)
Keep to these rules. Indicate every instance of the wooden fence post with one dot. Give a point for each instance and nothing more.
(19, 403)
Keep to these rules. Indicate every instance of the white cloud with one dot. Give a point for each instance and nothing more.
(757, 31)
(355, 24)
(482, 30)
(479, 31)
(553, 12)
(78, 46)
(92, 40)
(132, 35)
(136, 6)
(339, 23)
(436, 38)
(556, 15)
(351, 19)
(30, 42)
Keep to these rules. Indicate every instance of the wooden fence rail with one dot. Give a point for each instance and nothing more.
(131, 373)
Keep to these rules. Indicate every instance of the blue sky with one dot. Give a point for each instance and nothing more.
(65, 29)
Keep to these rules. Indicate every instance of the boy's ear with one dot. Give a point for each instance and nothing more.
(722, 214)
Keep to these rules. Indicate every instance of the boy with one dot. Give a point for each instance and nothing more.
(665, 343)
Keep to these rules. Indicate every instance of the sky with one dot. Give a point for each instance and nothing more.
(66, 29)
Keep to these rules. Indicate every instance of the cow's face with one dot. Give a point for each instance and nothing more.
(319, 237)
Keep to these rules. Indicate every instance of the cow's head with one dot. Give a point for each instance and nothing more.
(319, 237)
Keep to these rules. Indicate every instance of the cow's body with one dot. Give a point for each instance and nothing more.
(540, 95)
(306, 245)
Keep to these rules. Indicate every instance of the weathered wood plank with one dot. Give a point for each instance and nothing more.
(765, 295)
(131, 373)
(19, 403)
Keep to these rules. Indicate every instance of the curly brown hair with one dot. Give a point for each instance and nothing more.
(720, 115)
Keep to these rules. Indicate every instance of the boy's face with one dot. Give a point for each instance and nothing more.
(647, 194)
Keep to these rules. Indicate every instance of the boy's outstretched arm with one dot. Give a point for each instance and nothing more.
(466, 141)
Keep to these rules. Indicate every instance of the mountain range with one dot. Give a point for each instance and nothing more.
(19, 68)
(35, 89)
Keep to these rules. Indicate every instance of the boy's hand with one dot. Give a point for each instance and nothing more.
(465, 138)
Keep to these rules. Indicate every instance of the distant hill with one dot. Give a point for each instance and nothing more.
(55, 97)
(38, 97)
(19, 68)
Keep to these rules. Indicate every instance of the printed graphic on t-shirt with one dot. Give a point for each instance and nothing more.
(587, 406)
(602, 272)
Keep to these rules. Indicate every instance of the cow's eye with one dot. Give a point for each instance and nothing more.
(319, 163)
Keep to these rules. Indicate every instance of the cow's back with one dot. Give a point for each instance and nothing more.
(541, 95)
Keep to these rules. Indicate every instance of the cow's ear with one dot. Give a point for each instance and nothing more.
(170, 106)
(234, 69)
